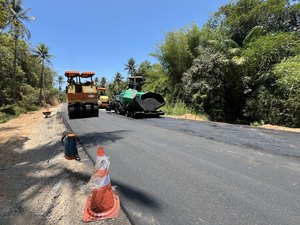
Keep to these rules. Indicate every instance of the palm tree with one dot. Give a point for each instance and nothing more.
(118, 79)
(131, 67)
(17, 28)
(42, 52)
(103, 81)
(60, 82)
(96, 81)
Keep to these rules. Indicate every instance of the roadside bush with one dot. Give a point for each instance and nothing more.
(10, 111)
(179, 108)
(30, 98)
(62, 97)
(52, 96)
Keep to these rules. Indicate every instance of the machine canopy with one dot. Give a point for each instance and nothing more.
(87, 74)
(72, 73)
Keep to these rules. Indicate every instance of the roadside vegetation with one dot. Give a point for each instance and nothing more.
(242, 66)
(27, 80)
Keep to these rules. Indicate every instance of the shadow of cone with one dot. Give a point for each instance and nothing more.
(104, 203)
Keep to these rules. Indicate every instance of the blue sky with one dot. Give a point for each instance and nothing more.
(101, 35)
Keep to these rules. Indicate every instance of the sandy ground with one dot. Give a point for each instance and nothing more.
(37, 184)
(187, 117)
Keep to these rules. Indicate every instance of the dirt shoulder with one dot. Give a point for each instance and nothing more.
(37, 184)
(265, 126)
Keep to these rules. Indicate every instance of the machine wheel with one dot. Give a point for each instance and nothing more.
(89, 111)
(79, 111)
(128, 113)
(96, 111)
(118, 108)
(71, 110)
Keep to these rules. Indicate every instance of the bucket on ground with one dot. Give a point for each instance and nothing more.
(69, 141)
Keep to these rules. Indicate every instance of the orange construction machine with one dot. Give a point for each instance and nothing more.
(81, 95)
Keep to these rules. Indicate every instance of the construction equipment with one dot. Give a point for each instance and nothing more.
(134, 103)
(103, 100)
(81, 97)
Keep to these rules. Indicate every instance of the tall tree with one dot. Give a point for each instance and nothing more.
(17, 28)
(238, 17)
(175, 55)
(42, 52)
(103, 82)
(96, 81)
(131, 67)
(143, 69)
(118, 78)
(60, 82)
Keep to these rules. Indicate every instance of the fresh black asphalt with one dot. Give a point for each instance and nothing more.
(181, 172)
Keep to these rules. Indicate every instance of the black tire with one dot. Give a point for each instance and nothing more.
(71, 111)
(80, 111)
(96, 111)
(89, 111)
(117, 110)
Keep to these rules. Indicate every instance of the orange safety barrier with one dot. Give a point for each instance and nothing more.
(104, 203)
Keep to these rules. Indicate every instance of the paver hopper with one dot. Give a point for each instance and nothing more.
(133, 103)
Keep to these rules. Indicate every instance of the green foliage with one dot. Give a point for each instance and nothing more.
(238, 67)
(239, 17)
(29, 97)
(178, 109)
(116, 86)
(287, 91)
(19, 69)
(279, 103)
(4, 14)
(156, 80)
(51, 96)
(61, 81)
(42, 54)
(257, 123)
(175, 55)
(143, 69)
(103, 82)
(131, 67)
(266, 98)
(270, 49)
(62, 97)
(204, 83)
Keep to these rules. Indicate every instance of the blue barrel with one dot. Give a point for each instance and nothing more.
(70, 146)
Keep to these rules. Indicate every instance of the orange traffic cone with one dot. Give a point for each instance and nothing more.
(104, 203)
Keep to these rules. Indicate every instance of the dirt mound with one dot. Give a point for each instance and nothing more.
(188, 117)
(274, 127)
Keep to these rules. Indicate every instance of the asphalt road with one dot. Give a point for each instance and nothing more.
(181, 172)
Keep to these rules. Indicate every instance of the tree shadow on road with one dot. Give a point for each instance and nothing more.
(28, 182)
(102, 138)
(135, 195)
